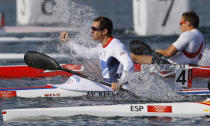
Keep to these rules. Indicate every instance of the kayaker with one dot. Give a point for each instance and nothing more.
(115, 60)
(187, 49)
(190, 45)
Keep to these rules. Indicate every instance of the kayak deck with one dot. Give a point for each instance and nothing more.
(33, 92)
(51, 91)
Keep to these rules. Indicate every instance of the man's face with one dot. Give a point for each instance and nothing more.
(183, 24)
(96, 31)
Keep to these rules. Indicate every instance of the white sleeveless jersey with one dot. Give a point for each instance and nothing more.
(115, 61)
(191, 45)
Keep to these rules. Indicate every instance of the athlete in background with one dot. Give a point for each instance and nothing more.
(114, 59)
(187, 49)
(190, 45)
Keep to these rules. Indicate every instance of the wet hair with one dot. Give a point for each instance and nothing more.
(192, 17)
(105, 23)
(139, 48)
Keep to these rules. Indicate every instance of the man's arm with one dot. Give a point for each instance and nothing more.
(123, 57)
(169, 52)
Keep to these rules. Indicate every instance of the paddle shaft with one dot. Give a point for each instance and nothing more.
(85, 76)
(102, 82)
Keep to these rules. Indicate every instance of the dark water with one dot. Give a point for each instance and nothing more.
(125, 33)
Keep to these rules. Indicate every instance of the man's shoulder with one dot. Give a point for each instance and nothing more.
(187, 35)
(117, 42)
(117, 46)
(191, 32)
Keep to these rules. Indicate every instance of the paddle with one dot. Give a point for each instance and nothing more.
(140, 48)
(42, 61)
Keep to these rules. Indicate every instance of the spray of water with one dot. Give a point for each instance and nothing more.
(80, 48)
(205, 59)
(153, 87)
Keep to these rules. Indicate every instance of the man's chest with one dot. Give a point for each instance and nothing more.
(104, 54)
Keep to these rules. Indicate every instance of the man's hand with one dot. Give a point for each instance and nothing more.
(64, 37)
(116, 86)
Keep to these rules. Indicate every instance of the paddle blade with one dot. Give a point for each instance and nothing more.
(40, 61)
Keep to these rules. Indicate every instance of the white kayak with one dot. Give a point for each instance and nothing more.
(75, 86)
(51, 91)
(181, 109)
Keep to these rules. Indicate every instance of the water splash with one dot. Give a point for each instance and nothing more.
(153, 87)
(205, 61)
(80, 46)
